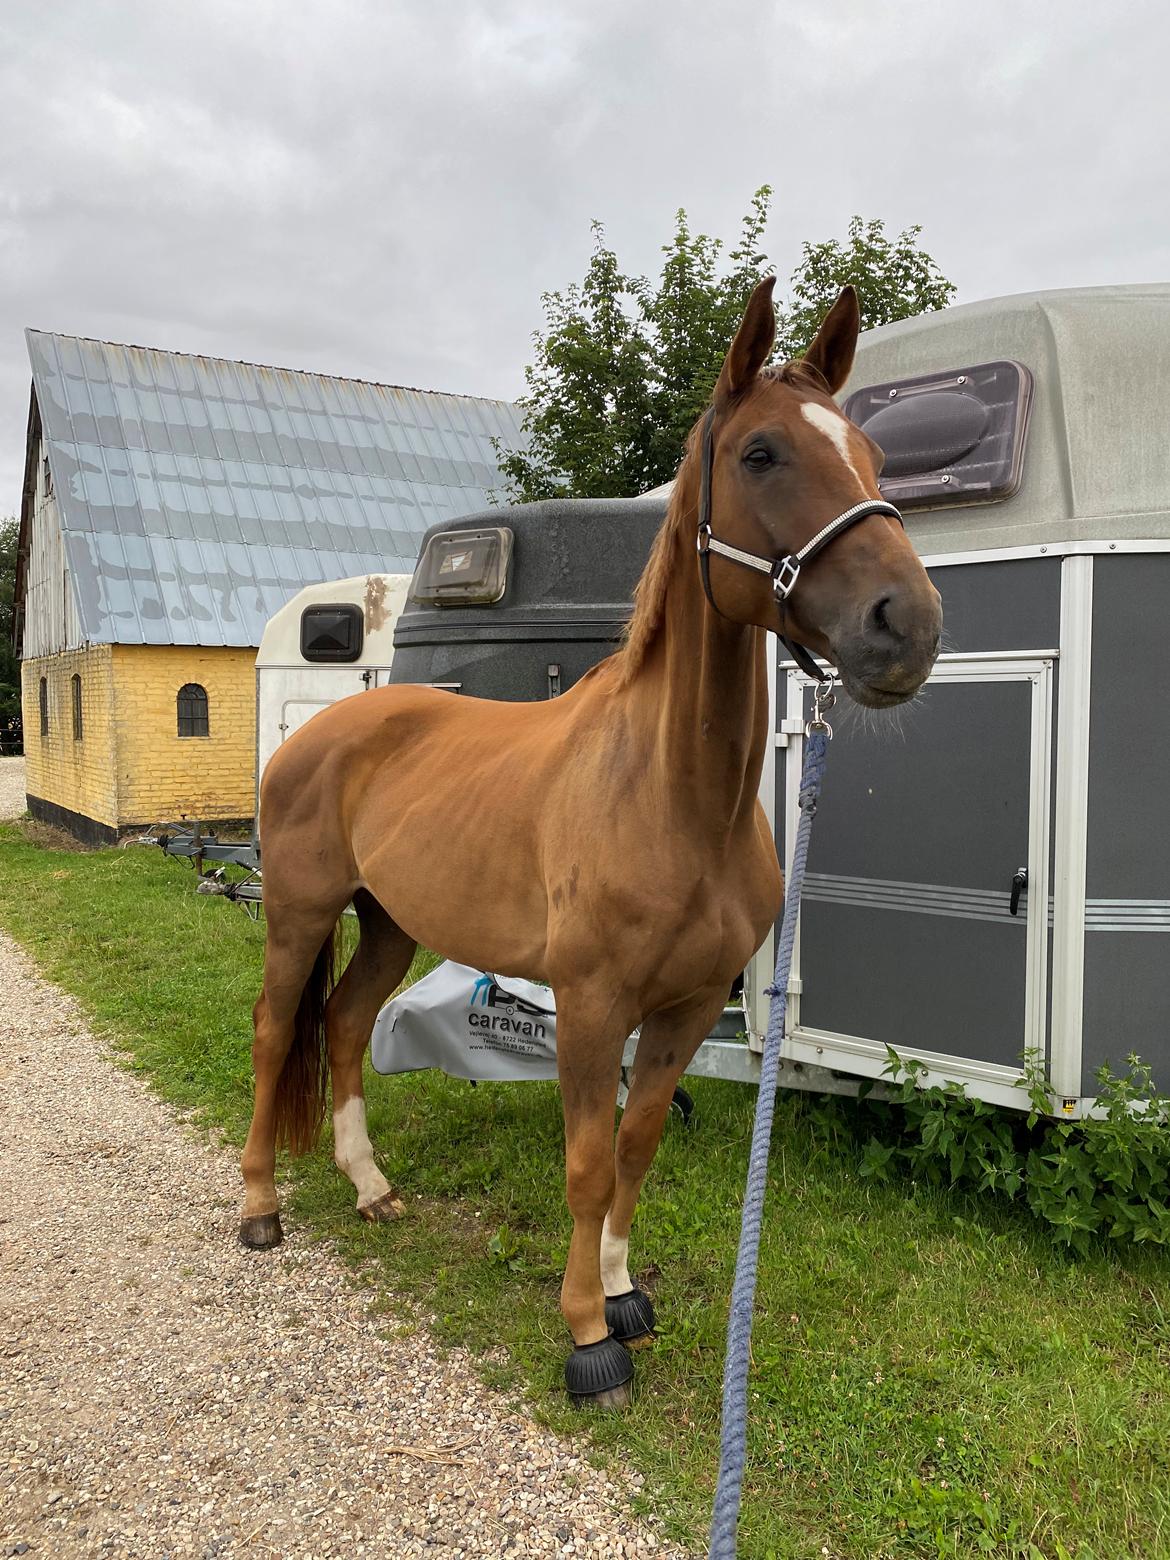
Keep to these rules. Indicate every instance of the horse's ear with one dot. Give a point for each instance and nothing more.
(752, 345)
(831, 353)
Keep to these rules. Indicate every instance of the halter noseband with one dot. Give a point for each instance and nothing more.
(783, 572)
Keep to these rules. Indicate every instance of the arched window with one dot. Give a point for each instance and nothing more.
(77, 727)
(44, 701)
(193, 710)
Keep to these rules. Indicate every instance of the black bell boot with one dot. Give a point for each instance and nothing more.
(630, 1318)
(599, 1374)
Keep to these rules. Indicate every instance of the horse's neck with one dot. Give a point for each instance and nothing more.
(704, 684)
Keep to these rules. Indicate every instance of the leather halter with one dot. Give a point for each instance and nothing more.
(783, 572)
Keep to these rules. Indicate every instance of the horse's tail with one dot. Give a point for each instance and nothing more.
(300, 1091)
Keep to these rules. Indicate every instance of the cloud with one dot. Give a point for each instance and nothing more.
(385, 189)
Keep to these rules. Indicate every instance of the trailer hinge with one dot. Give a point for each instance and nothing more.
(786, 729)
(795, 986)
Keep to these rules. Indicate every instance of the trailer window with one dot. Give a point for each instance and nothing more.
(949, 438)
(332, 633)
(463, 568)
(192, 704)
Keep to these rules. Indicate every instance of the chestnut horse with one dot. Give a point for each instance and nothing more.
(631, 864)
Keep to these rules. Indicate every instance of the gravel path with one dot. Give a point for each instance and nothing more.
(164, 1393)
(11, 787)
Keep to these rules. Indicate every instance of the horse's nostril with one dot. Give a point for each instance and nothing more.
(899, 619)
(879, 618)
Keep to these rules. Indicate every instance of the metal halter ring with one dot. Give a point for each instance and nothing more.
(786, 576)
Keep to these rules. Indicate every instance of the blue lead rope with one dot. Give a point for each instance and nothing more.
(733, 1441)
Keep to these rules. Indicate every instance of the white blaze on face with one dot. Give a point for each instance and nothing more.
(836, 428)
(615, 1255)
(354, 1154)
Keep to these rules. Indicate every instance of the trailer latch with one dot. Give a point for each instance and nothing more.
(1019, 884)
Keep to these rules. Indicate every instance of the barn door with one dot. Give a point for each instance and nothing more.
(925, 916)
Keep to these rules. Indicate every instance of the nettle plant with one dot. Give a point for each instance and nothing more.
(1107, 1175)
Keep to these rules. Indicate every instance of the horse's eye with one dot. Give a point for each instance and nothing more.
(757, 458)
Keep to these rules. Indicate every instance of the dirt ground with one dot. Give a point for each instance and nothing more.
(11, 787)
(165, 1393)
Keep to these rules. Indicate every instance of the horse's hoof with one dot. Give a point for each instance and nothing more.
(384, 1210)
(598, 1375)
(630, 1318)
(261, 1231)
(613, 1401)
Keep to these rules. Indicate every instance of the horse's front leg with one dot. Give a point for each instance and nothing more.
(668, 1041)
(589, 1053)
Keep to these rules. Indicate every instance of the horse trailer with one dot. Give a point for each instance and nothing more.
(329, 641)
(990, 875)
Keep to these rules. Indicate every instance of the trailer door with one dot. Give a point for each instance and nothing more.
(924, 923)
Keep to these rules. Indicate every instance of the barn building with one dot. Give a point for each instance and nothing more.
(171, 505)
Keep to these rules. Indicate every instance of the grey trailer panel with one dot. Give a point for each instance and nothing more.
(906, 936)
(1127, 1002)
(1129, 732)
(937, 794)
(1127, 918)
(917, 982)
(992, 607)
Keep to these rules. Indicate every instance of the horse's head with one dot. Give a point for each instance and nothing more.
(784, 462)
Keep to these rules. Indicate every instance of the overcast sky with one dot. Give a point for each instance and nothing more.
(383, 190)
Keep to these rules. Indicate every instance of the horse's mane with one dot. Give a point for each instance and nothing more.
(650, 593)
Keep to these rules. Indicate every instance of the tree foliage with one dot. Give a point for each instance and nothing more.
(894, 277)
(9, 665)
(625, 364)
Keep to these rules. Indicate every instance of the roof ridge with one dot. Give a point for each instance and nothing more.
(275, 368)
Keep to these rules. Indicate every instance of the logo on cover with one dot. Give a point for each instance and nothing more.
(488, 993)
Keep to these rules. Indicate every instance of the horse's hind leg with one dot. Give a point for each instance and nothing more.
(293, 945)
(668, 1041)
(382, 958)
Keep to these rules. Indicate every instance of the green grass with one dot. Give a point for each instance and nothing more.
(931, 1376)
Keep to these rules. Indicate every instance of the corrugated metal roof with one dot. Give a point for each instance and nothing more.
(197, 495)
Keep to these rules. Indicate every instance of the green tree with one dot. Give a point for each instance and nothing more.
(625, 364)
(691, 317)
(587, 410)
(895, 279)
(9, 665)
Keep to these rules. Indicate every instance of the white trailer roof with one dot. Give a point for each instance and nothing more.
(1096, 465)
(381, 598)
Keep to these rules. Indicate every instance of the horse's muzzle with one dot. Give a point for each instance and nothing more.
(888, 658)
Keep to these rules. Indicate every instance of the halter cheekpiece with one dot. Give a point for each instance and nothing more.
(783, 572)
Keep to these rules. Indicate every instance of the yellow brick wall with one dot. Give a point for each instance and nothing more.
(76, 775)
(162, 776)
